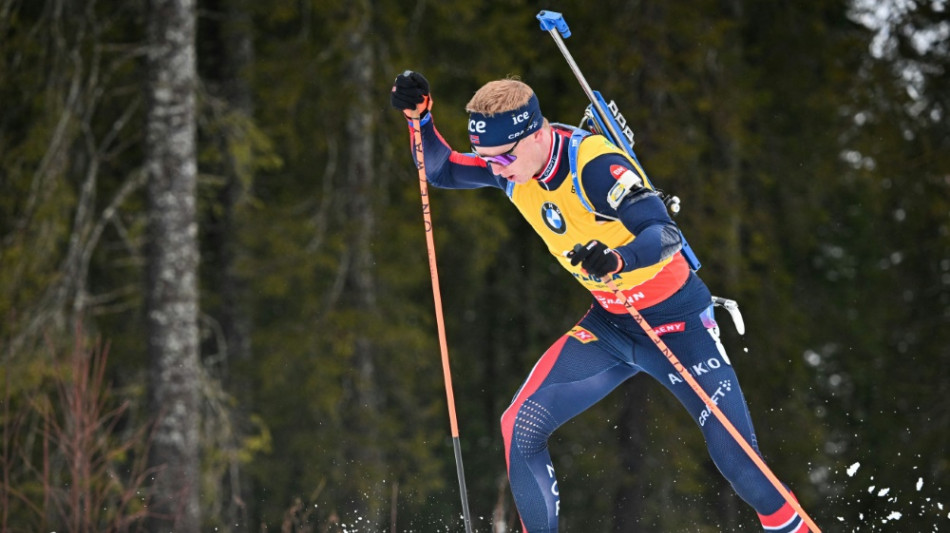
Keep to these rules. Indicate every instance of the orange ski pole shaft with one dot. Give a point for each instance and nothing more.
(416, 138)
(713, 408)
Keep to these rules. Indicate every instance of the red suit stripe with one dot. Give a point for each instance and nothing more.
(540, 371)
(785, 520)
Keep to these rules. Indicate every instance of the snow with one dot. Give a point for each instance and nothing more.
(879, 506)
(853, 469)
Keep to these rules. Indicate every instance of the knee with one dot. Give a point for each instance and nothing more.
(528, 426)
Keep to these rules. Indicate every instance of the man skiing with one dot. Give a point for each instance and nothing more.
(600, 221)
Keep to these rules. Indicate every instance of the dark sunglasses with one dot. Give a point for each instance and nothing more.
(504, 159)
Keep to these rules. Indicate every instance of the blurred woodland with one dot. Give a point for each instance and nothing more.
(215, 303)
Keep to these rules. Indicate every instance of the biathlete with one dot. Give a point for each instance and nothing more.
(599, 222)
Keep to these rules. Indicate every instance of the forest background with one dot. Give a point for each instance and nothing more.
(274, 364)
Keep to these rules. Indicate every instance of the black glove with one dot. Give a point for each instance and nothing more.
(596, 258)
(411, 93)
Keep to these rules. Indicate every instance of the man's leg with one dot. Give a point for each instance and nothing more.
(573, 374)
(696, 344)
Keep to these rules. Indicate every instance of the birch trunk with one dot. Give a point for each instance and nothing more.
(172, 264)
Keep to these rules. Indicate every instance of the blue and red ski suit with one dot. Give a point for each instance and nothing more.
(607, 347)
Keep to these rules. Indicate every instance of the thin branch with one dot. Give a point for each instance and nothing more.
(326, 198)
(135, 182)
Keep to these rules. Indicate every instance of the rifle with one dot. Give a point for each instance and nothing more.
(606, 119)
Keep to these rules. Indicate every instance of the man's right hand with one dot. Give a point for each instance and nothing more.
(410, 94)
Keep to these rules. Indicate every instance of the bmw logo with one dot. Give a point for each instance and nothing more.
(553, 219)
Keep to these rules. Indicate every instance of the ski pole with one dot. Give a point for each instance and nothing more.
(416, 140)
(713, 408)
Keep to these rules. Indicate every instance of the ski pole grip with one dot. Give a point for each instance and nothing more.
(551, 20)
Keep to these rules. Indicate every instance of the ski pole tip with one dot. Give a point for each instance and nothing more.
(553, 20)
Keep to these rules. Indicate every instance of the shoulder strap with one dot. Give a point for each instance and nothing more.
(577, 136)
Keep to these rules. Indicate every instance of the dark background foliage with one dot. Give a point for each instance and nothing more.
(807, 140)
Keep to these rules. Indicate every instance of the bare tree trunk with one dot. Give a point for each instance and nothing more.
(725, 72)
(172, 264)
(361, 218)
(229, 85)
(238, 41)
(226, 74)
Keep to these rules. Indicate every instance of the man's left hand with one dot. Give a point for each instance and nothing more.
(596, 258)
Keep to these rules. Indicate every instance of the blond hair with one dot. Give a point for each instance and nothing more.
(499, 96)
